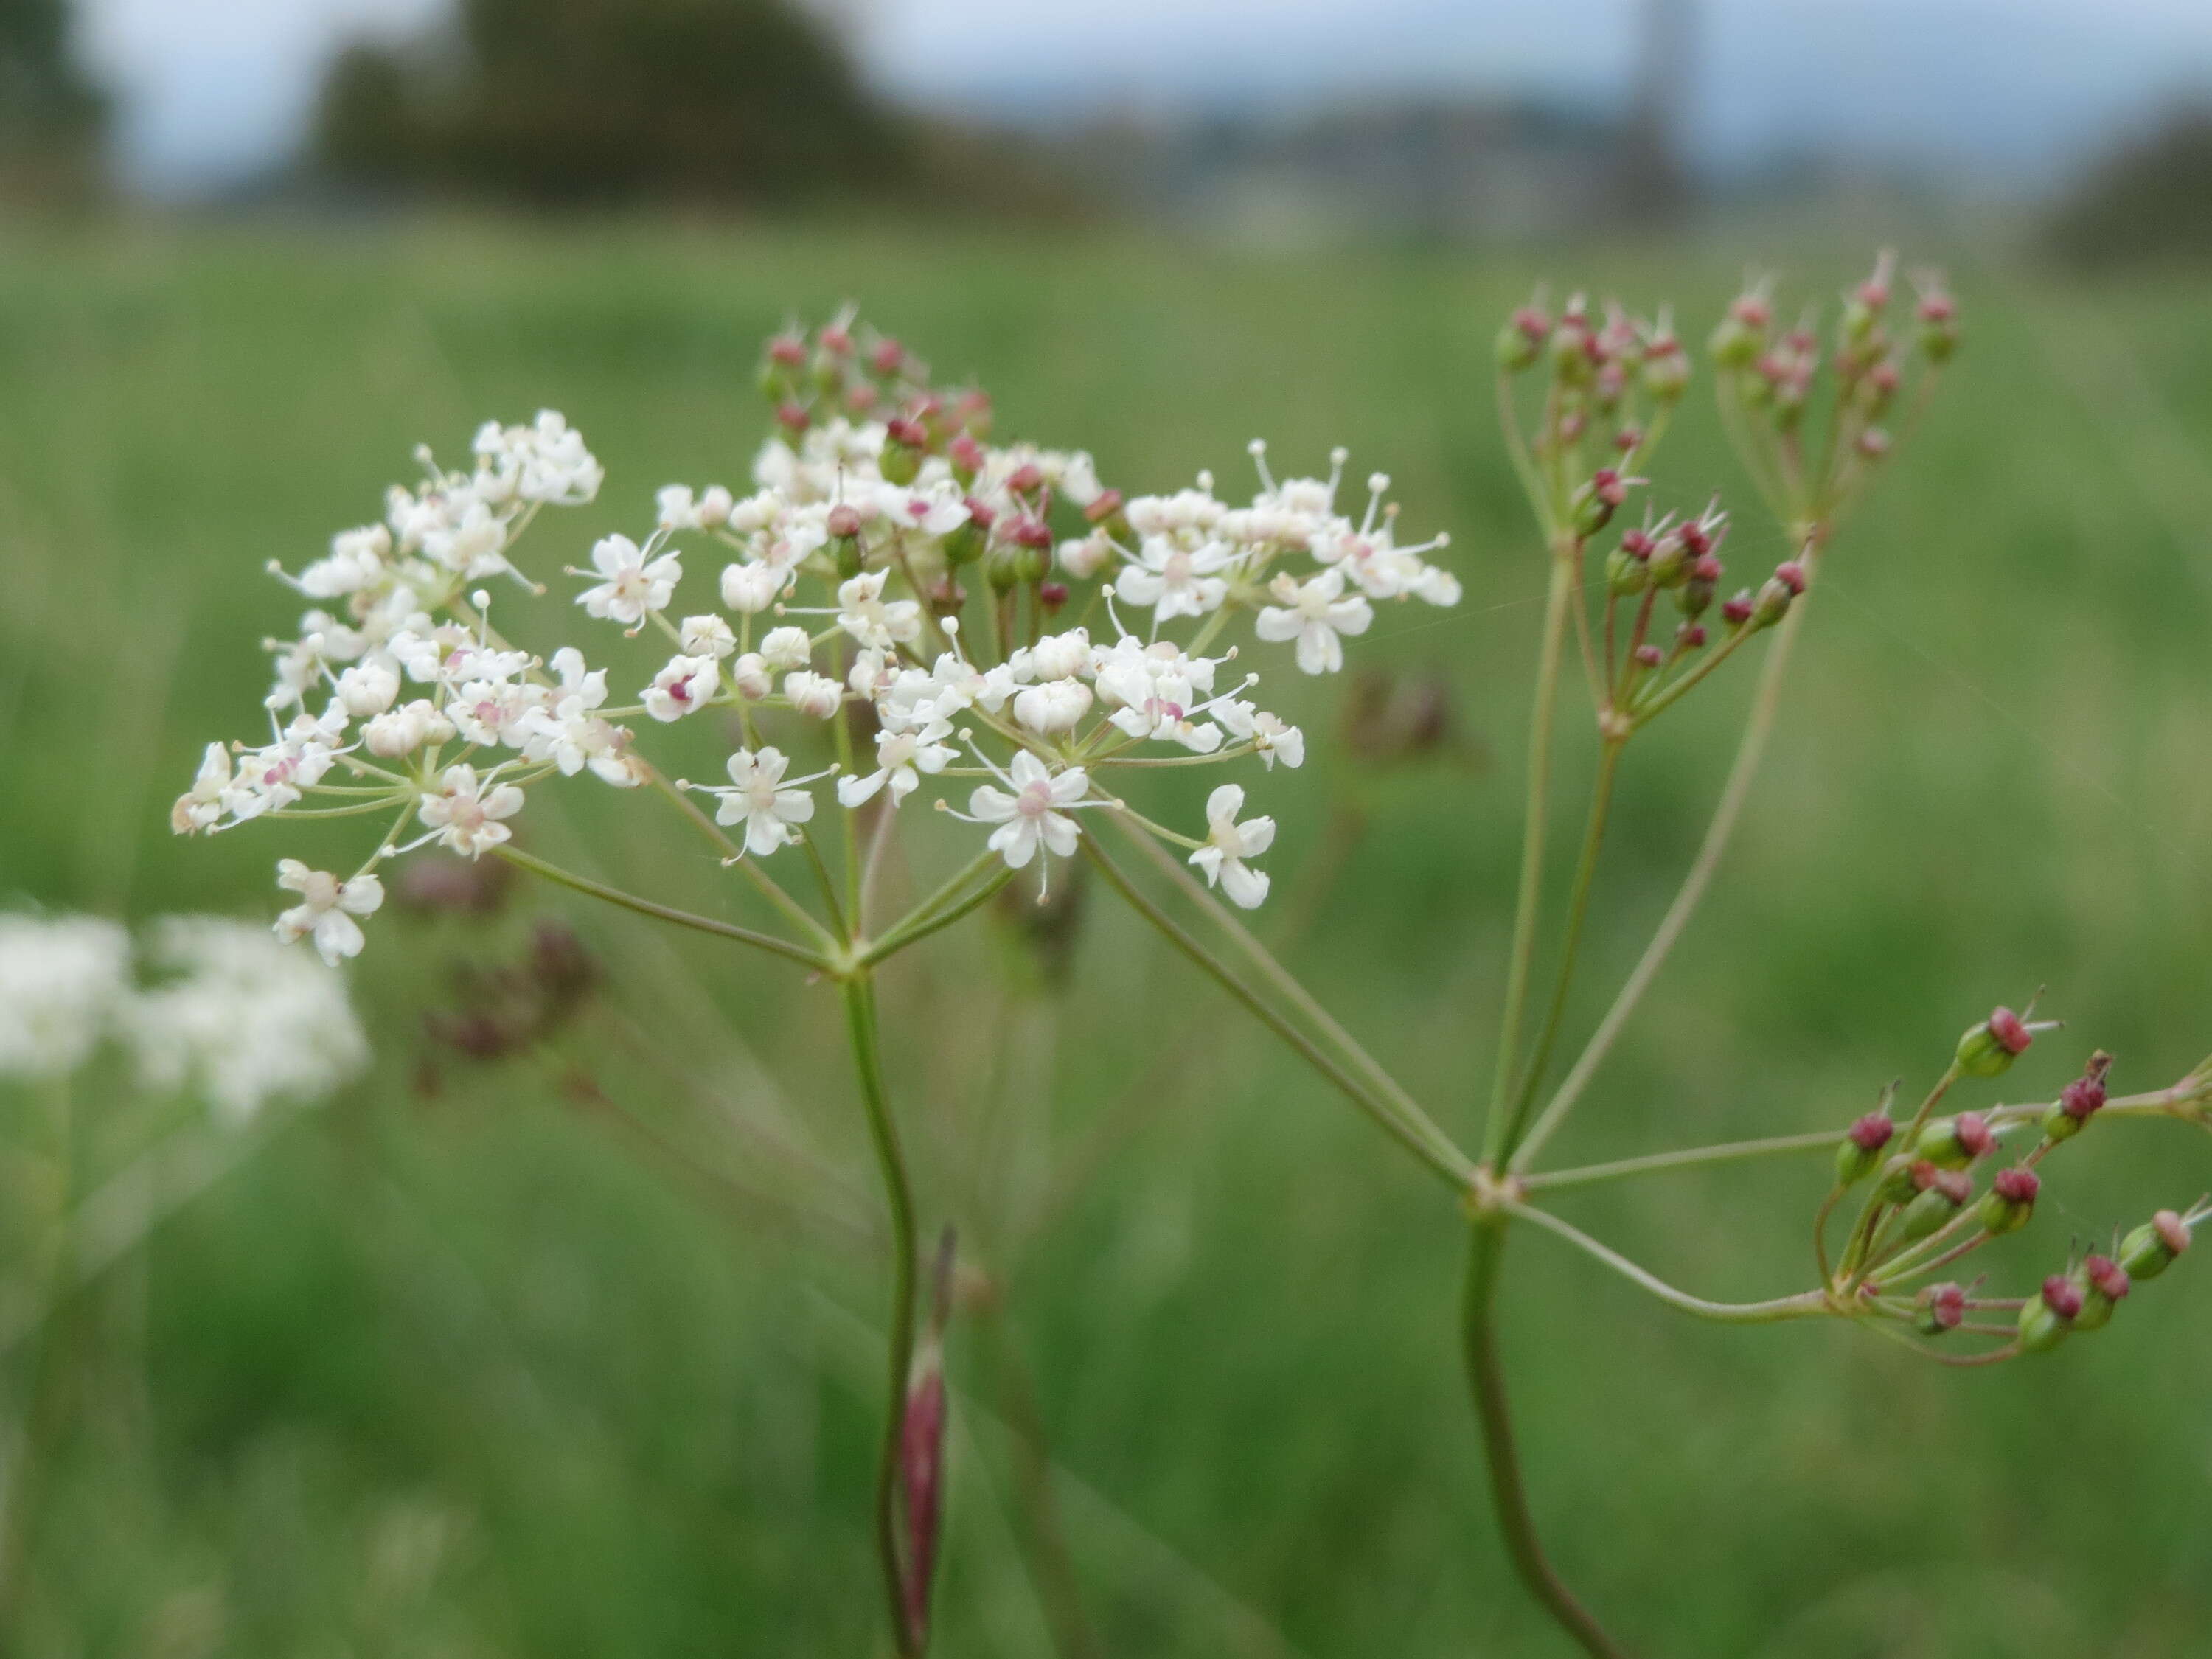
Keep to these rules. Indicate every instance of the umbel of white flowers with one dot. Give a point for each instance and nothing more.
(220, 1010)
(1010, 630)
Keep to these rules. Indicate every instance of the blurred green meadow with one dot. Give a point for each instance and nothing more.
(576, 1353)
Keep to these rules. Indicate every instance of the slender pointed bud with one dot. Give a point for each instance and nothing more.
(1666, 368)
(1939, 1309)
(1944, 1197)
(1696, 592)
(2079, 1100)
(1741, 336)
(1904, 1178)
(905, 442)
(1522, 340)
(1953, 1143)
(2046, 1319)
(2102, 1282)
(1670, 559)
(1939, 321)
(1595, 503)
(966, 457)
(1777, 592)
(966, 542)
(1861, 1148)
(1738, 610)
(2150, 1249)
(1626, 567)
(2009, 1201)
(1990, 1049)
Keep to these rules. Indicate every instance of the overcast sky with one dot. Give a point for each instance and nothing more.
(217, 88)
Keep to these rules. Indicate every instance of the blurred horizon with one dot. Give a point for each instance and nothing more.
(1974, 98)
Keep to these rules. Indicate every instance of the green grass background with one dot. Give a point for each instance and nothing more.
(481, 1373)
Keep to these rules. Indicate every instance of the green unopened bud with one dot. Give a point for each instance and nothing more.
(2046, 1319)
(1953, 1143)
(2150, 1249)
(1945, 1196)
(1860, 1150)
(1595, 503)
(1521, 341)
(2103, 1284)
(1901, 1180)
(1990, 1049)
(2009, 1201)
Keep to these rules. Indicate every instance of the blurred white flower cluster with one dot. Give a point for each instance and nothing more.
(895, 587)
(224, 1011)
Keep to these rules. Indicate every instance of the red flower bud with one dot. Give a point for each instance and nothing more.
(904, 429)
(787, 349)
(2060, 1296)
(2109, 1278)
(2017, 1185)
(793, 417)
(2010, 1031)
(1628, 438)
(1108, 504)
(1871, 1132)
(1940, 1308)
(1025, 478)
(1691, 636)
(1737, 610)
(1973, 1134)
(1649, 656)
(2084, 1097)
(1052, 595)
(843, 519)
(888, 358)
(966, 455)
(1791, 575)
(1026, 531)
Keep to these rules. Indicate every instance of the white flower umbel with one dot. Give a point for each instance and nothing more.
(61, 978)
(1229, 844)
(240, 1019)
(923, 553)
(326, 909)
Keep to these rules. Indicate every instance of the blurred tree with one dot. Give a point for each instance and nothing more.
(562, 101)
(2149, 200)
(53, 118)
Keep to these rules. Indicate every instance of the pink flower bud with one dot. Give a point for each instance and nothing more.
(1027, 531)
(1736, 611)
(787, 350)
(793, 417)
(1973, 1133)
(2172, 1231)
(1649, 656)
(1691, 636)
(2060, 1296)
(1939, 1308)
(2010, 1030)
(837, 340)
(843, 519)
(1025, 478)
(1052, 595)
(1628, 438)
(888, 358)
(904, 429)
(1791, 575)
(1108, 504)
(1871, 1132)
(2017, 1185)
(966, 455)
(1874, 443)
(2084, 1097)
(2107, 1277)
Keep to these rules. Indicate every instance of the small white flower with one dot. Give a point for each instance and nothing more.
(1086, 557)
(369, 688)
(707, 637)
(751, 676)
(1055, 657)
(870, 672)
(875, 622)
(686, 685)
(751, 587)
(327, 907)
(1271, 737)
(633, 586)
(1056, 706)
(1314, 613)
(787, 647)
(200, 806)
(466, 817)
(1035, 814)
(900, 758)
(760, 798)
(402, 731)
(494, 712)
(1229, 844)
(470, 544)
(937, 509)
(815, 694)
(1176, 580)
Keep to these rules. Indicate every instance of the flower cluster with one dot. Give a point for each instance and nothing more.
(226, 1012)
(920, 605)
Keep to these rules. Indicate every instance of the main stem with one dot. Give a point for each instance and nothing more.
(1508, 1497)
(1496, 1138)
(868, 1060)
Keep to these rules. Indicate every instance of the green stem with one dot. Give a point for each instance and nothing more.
(1509, 1496)
(1608, 767)
(1766, 705)
(1497, 1141)
(1730, 1152)
(1448, 1164)
(913, 931)
(1806, 1304)
(883, 1132)
(645, 907)
(1289, 986)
